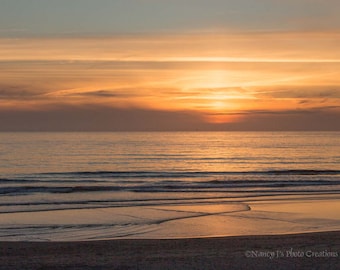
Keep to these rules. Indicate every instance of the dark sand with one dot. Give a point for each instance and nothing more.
(206, 253)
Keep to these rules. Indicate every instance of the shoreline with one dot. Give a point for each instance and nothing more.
(285, 215)
(317, 250)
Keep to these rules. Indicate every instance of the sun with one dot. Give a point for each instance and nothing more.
(219, 100)
(222, 104)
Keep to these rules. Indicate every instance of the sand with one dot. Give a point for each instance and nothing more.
(304, 235)
(295, 251)
(284, 215)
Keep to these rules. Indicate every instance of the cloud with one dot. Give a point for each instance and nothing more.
(100, 118)
(226, 46)
(104, 93)
(323, 120)
(18, 92)
(299, 92)
(214, 75)
(273, 112)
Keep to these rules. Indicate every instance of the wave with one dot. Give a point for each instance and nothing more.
(48, 189)
(177, 181)
(173, 186)
(304, 172)
(179, 174)
(195, 173)
(199, 199)
(132, 176)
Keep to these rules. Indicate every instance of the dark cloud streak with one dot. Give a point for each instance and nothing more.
(99, 118)
(95, 118)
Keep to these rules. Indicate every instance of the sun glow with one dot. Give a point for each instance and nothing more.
(210, 79)
(235, 77)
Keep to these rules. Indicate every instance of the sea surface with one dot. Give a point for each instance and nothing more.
(54, 172)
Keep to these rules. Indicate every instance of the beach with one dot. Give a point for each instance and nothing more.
(170, 201)
(284, 234)
(295, 251)
(155, 135)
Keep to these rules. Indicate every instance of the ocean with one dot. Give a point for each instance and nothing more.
(83, 186)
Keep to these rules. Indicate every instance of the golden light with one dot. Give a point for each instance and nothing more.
(218, 105)
(209, 79)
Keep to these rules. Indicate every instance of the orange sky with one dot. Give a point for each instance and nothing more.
(219, 76)
(184, 72)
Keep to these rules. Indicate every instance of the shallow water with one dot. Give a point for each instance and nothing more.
(120, 179)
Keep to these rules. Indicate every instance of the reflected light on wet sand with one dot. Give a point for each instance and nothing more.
(176, 221)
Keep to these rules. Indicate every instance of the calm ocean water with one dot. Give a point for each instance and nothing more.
(51, 171)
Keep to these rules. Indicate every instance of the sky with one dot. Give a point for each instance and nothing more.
(161, 65)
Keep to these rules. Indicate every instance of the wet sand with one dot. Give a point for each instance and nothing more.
(319, 250)
(285, 215)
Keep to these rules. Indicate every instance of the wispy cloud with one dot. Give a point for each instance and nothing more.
(227, 47)
(300, 92)
(220, 78)
(89, 117)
